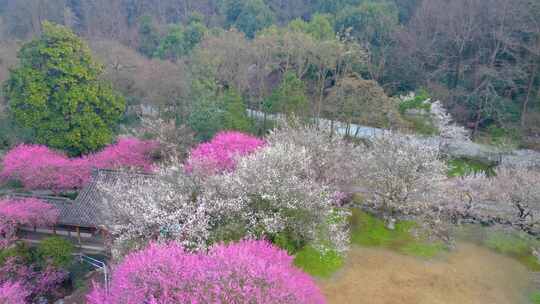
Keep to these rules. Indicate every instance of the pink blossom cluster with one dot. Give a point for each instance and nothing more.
(13, 293)
(244, 272)
(32, 281)
(38, 167)
(30, 211)
(220, 154)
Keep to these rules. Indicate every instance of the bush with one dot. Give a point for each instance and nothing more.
(418, 102)
(220, 154)
(19, 251)
(318, 263)
(245, 272)
(463, 167)
(56, 251)
(38, 167)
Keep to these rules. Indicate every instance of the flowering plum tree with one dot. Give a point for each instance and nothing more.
(333, 160)
(13, 293)
(154, 207)
(38, 167)
(511, 197)
(281, 187)
(276, 190)
(401, 175)
(220, 154)
(15, 212)
(245, 272)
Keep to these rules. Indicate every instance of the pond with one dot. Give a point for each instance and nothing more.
(469, 274)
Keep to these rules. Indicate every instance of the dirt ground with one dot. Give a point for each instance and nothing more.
(468, 275)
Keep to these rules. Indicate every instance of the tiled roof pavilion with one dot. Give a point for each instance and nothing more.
(89, 209)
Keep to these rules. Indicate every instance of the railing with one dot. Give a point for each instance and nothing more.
(99, 265)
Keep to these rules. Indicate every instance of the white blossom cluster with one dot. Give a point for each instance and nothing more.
(405, 178)
(289, 185)
(447, 128)
(275, 190)
(333, 161)
(146, 207)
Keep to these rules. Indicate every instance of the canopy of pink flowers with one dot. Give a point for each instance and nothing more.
(29, 281)
(245, 272)
(30, 211)
(38, 167)
(220, 154)
(13, 293)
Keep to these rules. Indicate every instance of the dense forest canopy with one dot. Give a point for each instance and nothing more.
(480, 57)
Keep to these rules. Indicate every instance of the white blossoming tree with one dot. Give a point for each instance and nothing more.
(275, 191)
(142, 208)
(511, 197)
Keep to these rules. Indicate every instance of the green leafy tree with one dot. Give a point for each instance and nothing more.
(206, 119)
(56, 93)
(206, 115)
(180, 40)
(56, 250)
(172, 45)
(148, 36)
(289, 98)
(319, 27)
(249, 16)
(235, 116)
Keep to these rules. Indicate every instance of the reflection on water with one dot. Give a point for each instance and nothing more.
(468, 275)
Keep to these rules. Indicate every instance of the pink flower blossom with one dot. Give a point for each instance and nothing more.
(33, 281)
(245, 272)
(220, 154)
(38, 167)
(13, 293)
(28, 211)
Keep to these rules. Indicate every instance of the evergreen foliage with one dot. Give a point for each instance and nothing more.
(56, 92)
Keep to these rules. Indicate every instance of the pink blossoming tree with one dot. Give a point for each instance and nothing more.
(245, 272)
(34, 281)
(220, 154)
(38, 167)
(13, 293)
(30, 211)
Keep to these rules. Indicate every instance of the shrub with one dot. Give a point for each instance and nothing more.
(245, 272)
(417, 102)
(219, 154)
(38, 167)
(462, 167)
(13, 293)
(19, 251)
(56, 251)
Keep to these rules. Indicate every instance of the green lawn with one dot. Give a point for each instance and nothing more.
(369, 231)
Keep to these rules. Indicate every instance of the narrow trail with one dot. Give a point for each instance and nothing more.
(469, 275)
